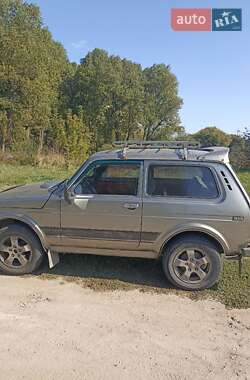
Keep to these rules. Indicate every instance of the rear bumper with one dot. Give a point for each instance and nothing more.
(245, 252)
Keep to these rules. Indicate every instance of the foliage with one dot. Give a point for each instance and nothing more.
(110, 92)
(122, 101)
(78, 139)
(240, 150)
(32, 69)
(212, 136)
(3, 128)
(239, 144)
(161, 104)
(49, 105)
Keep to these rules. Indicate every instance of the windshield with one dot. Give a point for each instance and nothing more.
(76, 174)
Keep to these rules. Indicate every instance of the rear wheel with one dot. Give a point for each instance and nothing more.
(192, 263)
(20, 250)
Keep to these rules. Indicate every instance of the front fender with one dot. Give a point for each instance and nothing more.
(16, 217)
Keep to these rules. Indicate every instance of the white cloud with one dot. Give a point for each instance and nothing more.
(79, 44)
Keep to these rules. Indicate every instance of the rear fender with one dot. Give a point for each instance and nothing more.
(196, 227)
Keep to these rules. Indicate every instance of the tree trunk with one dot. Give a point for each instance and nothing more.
(10, 115)
(117, 134)
(145, 133)
(41, 140)
(28, 132)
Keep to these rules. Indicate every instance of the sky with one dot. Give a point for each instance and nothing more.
(212, 68)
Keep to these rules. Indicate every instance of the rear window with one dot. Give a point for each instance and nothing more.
(181, 181)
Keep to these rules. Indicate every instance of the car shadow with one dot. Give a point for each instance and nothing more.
(127, 270)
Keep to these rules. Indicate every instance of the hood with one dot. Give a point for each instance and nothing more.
(27, 196)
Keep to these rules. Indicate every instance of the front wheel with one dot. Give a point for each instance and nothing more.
(20, 250)
(192, 263)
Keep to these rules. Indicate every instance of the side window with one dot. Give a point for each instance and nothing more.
(115, 178)
(181, 181)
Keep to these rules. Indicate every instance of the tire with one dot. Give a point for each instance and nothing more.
(192, 263)
(20, 250)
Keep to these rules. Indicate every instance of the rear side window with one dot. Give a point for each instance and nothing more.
(181, 181)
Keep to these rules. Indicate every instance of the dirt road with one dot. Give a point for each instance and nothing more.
(56, 330)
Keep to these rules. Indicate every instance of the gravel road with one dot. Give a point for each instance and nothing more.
(51, 329)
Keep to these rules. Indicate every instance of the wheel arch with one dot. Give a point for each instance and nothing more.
(213, 237)
(8, 220)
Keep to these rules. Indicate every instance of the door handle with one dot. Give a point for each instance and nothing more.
(131, 206)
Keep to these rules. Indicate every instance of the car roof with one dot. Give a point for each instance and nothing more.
(219, 154)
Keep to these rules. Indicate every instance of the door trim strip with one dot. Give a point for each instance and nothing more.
(85, 233)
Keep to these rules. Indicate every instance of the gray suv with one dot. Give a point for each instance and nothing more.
(158, 200)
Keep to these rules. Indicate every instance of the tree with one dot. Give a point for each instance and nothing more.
(237, 152)
(78, 138)
(32, 67)
(246, 137)
(110, 91)
(125, 109)
(212, 136)
(122, 101)
(47, 103)
(161, 104)
(89, 87)
(240, 150)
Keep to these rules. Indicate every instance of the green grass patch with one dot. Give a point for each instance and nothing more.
(17, 174)
(233, 290)
(244, 176)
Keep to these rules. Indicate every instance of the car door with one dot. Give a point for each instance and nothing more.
(105, 206)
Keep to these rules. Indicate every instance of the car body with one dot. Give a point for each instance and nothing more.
(136, 201)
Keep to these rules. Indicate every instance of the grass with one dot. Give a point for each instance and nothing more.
(233, 290)
(244, 176)
(18, 174)
(111, 273)
(101, 273)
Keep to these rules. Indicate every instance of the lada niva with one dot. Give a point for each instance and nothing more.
(172, 201)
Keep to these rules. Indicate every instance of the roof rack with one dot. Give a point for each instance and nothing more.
(135, 144)
(181, 146)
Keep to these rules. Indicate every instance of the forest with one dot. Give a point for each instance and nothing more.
(55, 112)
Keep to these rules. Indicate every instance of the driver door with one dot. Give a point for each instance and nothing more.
(105, 209)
